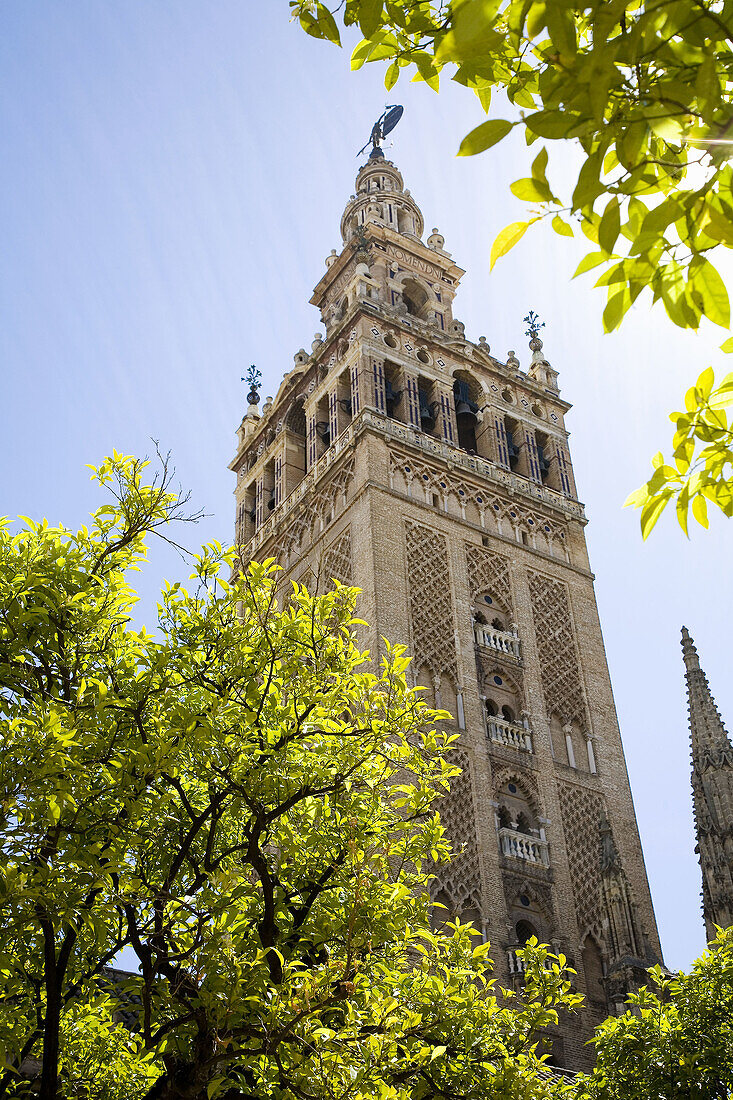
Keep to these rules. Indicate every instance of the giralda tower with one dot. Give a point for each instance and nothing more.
(405, 458)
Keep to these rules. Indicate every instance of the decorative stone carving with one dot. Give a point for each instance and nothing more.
(460, 879)
(560, 670)
(311, 513)
(488, 572)
(431, 602)
(494, 512)
(337, 559)
(581, 812)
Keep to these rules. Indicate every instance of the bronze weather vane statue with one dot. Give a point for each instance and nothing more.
(384, 125)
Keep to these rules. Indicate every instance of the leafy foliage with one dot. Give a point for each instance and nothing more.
(641, 88)
(703, 459)
(102, 1059)
(677, 1039)
(242, 803)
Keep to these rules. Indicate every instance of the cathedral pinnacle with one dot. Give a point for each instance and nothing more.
(712, 791)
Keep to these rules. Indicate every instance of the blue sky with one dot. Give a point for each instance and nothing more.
(173, 176)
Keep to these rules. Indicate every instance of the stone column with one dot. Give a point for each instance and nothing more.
(448, 426)
(312, 438)
(412, 400)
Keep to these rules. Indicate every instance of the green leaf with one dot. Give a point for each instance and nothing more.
(321, 25)
(562, 227)
(651, 512)
(539, 167)
(589, 261)
(616, 308)
(370, 14)
(437, 1052)
(552, 124)
(588, 187)
(700, 510)
(610, 225)
(707, 283)
(531, 190)
(705, 382)
(508, 237)
(484, 136)
(727, 345)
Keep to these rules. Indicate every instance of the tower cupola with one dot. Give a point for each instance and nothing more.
(381, 199)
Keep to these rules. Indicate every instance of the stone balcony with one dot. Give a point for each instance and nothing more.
(514, 963)
(509, 734)
(503, 641)
(530, 849)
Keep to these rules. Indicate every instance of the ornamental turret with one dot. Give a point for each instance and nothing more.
(712, 792)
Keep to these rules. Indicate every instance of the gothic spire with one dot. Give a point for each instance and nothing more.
(709, 738)
(712, 791)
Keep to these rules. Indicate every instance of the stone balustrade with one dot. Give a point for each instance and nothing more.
(532, 849)
(505, 641)
(483, 467)
(502, 732)
(429, 445)
(515, 964)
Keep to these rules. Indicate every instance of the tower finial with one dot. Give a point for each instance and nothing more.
(533, 323)
(383, 126)
(253, 378)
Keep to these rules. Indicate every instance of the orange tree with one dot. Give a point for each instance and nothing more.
(247, 804)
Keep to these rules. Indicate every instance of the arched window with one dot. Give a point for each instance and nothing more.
(416, 298)
(466, 392)
(524, 931)
(394, 400)
(523, 838)
(294, 460)
(543, 459)
(295, 420)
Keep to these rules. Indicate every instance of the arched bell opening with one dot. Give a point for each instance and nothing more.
(395, 400)
(294, 454)
(466, 394)
(428, 406)
(323, 426)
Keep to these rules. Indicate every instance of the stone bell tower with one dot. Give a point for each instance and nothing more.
(403, 457)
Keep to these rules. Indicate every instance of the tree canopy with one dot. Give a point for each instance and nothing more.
(642, 89)
(244, 802)
(676, 1039)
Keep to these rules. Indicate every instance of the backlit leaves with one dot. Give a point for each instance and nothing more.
(506, 240)
(248, 806)
(702, 455)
